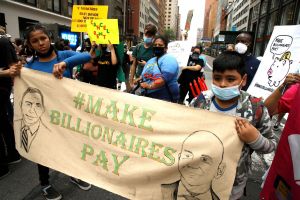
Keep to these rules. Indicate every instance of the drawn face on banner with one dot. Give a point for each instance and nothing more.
(32, 108)
(198, 164)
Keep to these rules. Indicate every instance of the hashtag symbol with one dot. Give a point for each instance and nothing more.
(79, 100)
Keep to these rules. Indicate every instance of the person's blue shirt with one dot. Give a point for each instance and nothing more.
(169, 70)
(203, 58)
(71, 58)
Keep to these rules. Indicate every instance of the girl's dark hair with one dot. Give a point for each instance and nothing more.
(163, 38)
(229, 60)
(38, 27)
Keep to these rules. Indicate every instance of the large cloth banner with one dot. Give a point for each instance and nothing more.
(283, 180)
(103, 31)
(280, 58)
(134, 146)
(81, 13)
(181, 50)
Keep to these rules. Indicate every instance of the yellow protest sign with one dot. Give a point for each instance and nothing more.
(81, 13)
(103, 31)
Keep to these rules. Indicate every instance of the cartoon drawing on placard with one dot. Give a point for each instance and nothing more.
(281, 65)
(32, 108)
(198, 166)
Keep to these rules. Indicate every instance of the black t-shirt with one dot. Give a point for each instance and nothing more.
(7, 57)
(107, 73)
(187, 75)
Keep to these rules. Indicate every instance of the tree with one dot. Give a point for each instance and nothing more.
(170, 34)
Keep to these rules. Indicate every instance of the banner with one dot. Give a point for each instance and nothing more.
(280, 58)
(81, 13)
(188, 20)
(283, 180)
(137, 147)
(103, 31)
(181, 50)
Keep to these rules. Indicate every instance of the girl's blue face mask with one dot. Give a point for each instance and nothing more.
(226, 93)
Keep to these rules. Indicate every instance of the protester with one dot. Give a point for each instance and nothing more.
(243, 46)
(229, 76)
(89, 71)
(141, 54)
(60, 63)
(190, 73)
(159, 76)
(9, 68)
(126, 68)
(107, 67)
(281, 99)
(230, 47)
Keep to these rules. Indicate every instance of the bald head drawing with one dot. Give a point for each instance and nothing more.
(200, 161)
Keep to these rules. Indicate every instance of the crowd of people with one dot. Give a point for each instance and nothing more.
(153, 73)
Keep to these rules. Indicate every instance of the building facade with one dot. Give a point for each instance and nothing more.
(211, 7)
(171, 15)
(272, 13)
(153, 13)
(240, 14)
(16, 15)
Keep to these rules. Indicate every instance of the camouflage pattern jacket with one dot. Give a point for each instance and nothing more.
(253, 110)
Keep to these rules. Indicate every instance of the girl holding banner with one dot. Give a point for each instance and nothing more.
(60, 63)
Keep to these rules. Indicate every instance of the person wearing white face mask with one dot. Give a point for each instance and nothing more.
(252, 118)
(141, 54)
(243, 47)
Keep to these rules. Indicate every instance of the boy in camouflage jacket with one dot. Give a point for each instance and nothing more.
(229, 76)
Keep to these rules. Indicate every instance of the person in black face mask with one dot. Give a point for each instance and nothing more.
(159, 76)
(189, 73)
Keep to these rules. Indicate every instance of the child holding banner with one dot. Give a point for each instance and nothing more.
(229, 76)
(60, 63)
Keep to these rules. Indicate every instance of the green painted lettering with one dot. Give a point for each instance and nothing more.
(145, 117)
(108, 133)
(142, 143)
(129, 114)
(168, 152)
(98, 132)
(102, 160)
(120, 139)
(55, 117)
(117, 164)
(154, 150)
(112, 109)
(87, 150)
(94, 108)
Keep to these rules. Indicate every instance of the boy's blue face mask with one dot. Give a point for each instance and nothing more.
(147, 40)
(226, 93)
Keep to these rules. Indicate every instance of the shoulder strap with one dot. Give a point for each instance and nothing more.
(166, 84)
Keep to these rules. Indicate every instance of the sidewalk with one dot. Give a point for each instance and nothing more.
(23, 183)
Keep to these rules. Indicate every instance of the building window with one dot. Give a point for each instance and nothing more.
(272, 22)
(264, 6)
(287, 14)
(33, 2)
(274, 4)
(53, 5)
(70, 6)
(261, 28)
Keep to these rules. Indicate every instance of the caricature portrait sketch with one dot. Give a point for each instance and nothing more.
(199, 163)
(32, 109)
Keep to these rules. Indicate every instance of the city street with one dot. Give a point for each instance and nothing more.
(23, 181)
